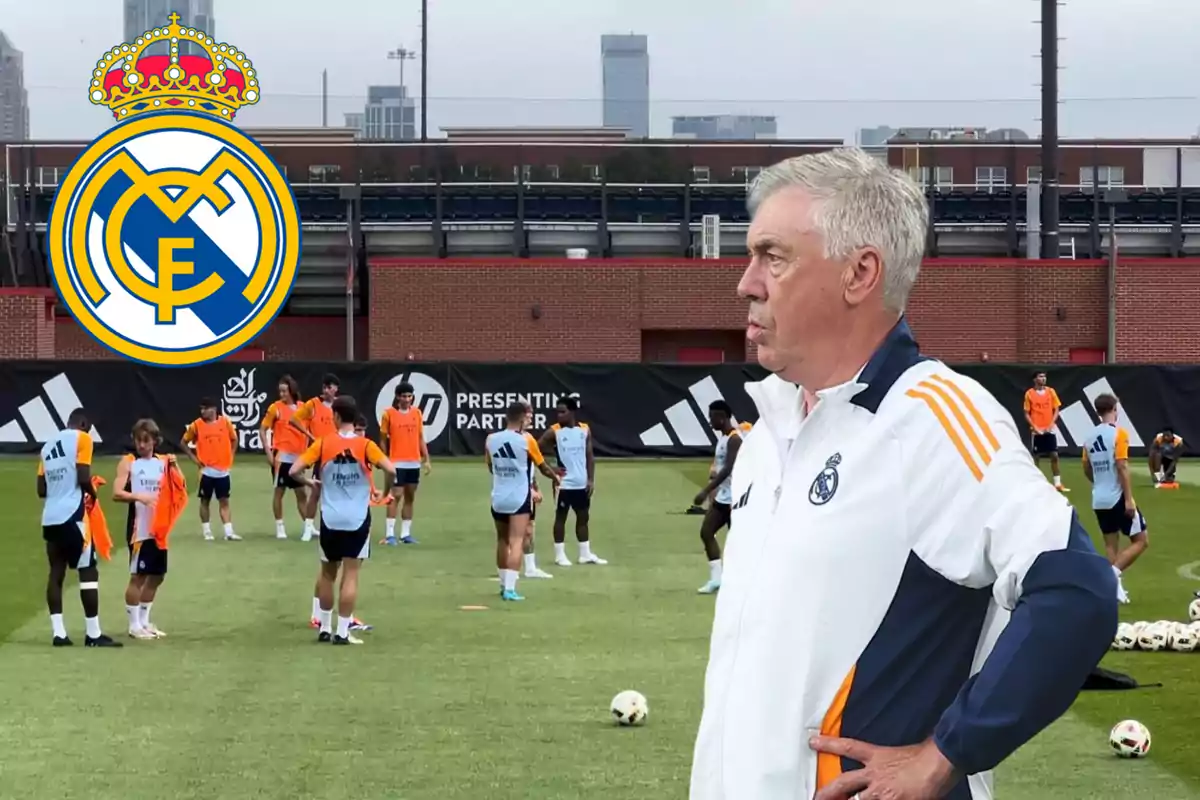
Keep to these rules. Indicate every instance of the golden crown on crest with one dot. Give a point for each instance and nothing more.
(131, 82)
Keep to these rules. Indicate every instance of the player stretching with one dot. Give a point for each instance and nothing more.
(64, 479)
(1041, 412)
(345, 459)
(139, 476)
(283, 444)
(1164, 458)
(571, 442)
(511, 455)
(1106, 465)
(215, 441)
(729, 441)
(530, 557)
(314, 420)
(402, 437)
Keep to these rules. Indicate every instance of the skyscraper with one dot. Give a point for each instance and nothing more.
(145, 15)
(626, 66)
(14, 100)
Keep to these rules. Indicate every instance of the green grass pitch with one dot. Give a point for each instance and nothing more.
(511, 702)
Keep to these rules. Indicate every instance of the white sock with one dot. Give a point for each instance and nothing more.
(206, 528)
(1116, 571)
(316, 613)
(93, 627)
(530, 563)
(585, 550)
(326, 620)
(145, 608)
(135, 617)
(1158, 476)
(308, 526)
(1058, 480)
(509, 576)
(391, 528)
(560, 550)
(58, 625)
(343, 627)
(405, 528)
(714, 570)
(279, 526)
(229, 529)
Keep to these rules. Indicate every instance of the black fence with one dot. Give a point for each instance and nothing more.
(633, 409)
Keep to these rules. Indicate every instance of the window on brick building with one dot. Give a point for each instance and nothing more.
(592, 171)
(746, 174)
(701, 174)
(1104, 177)
(991, 178)
(1033, 175)
(324, 173)
(47, 176)
(942, 177)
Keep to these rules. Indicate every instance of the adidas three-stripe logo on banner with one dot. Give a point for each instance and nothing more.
(688, 423)
(36, 418)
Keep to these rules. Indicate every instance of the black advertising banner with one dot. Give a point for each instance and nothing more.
(633, 409)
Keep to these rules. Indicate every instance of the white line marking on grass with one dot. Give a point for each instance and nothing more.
(1190, 571)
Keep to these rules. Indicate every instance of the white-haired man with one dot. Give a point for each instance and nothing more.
(905, 600)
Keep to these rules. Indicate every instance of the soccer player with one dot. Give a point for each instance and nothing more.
(1041, 412)
(139, 476)
(1164, 458)
(314, 420)
(698, 509)
(211, 442)
(729, 441)
(64, 479)
(530, 556)
(345, 459)
(283, 444)
(511, 455)
(1106, 465)
(402, 437)
(571, 441)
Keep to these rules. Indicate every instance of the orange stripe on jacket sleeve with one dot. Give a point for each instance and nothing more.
(829, 766)
(948, 401)
(950, 432)
(971, 409)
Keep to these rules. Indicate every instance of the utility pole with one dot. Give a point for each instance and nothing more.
(1050, 245)
(424, 70)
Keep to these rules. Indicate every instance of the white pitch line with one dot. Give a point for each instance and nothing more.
(1190, 571)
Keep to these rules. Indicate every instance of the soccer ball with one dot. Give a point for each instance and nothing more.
(1130, 739)
(1184, 640)
(630, 708)
(1153, 637)
(1194, 610)
(1126, 638)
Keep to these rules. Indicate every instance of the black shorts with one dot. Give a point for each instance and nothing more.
(721, 512)
(339, 545)
(147, 559)
(64, 541)
(573, 499)
(407, 476)
(1045, 444)
(316, 470)
(1168, 466)
(1114, 520)
(526, 508)
(210, 487)
(284, 479)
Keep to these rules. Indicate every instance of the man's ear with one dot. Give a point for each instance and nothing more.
(864, 273)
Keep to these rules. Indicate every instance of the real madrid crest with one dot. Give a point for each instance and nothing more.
(825, 485)
(174, 239)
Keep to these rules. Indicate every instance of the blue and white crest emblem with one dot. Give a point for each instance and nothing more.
(825, 485)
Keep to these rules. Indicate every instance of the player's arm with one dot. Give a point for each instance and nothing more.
(591, 464)
(83, 465)
(233, 437)
(268, 440)
(189, 436)
(1055, 405)
(41, 480)
(539, 460)
(1029, 413)
(999, 524)
(303, 414)
(547, 441)
(1087, 467)
(1121, 459)
(385, 424)
(123, 495)
(376, 458)
(424, 448)
(305, 460)
(731, 451)
(487, 453)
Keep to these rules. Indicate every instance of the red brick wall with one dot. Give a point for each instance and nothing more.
(288, 339)
(1158, 311)
(27, 323)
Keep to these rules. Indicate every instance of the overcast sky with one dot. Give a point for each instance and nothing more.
(823, 68)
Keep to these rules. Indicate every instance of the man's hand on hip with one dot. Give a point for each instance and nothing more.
(917, 772)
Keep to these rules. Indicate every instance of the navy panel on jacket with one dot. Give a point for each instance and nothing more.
(891, 360)
(914, 666)
(1061, 627)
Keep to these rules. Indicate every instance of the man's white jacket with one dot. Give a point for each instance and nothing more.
(897, 568)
